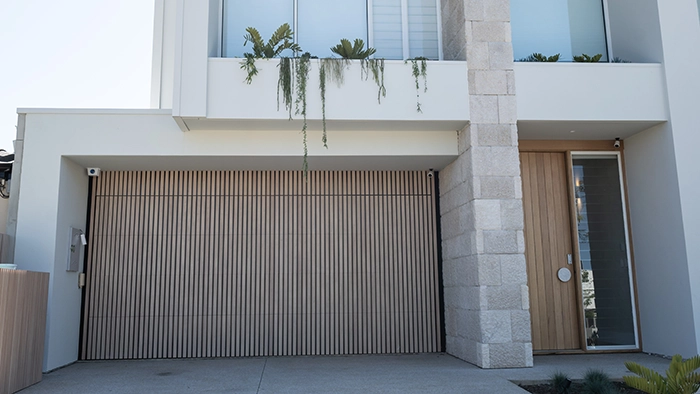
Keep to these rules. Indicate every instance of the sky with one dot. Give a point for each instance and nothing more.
(73, 54)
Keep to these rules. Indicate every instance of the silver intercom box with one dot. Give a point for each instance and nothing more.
(77, 241)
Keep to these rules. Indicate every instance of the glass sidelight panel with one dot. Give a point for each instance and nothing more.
(604, 252)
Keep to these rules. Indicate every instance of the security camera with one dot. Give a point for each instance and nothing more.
(617, 142)
(430, 173)
(93, 171)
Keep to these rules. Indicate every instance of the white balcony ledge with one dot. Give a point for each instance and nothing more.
(597, 100)
(231, 104)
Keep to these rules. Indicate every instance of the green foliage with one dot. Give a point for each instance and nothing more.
(419, 68)
(303, 65)
(353, 51)
(376, 68)
(248, 64)
(330, 70)
(538, 57)
(680, 378)
(588, 59)
(597, 382)
(282, 39)
(561, 383)
(285, 84)
(619, 60)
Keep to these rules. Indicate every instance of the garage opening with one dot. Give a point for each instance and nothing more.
(261, 263)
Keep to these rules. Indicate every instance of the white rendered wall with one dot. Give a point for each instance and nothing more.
(46, 212)
(660, 254)
(595, 92)
(680, 34)
(162, 67)
(55, 189)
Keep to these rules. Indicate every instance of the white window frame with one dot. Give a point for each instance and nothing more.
(370, 23)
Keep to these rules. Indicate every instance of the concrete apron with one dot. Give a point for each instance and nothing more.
(414, 373)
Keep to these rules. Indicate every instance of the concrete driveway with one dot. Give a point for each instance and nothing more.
(414, 373)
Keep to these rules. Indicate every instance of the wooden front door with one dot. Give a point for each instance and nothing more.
(548, 247)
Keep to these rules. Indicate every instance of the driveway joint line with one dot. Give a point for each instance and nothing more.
(261, 375)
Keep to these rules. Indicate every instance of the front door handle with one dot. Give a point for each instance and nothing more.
(569, 259)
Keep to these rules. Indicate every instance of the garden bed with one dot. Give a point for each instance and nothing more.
(574, 389)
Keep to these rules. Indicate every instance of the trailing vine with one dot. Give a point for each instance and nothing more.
(303, 65)
(330, 69)
(285, 83)
(376, 68)
(419, 71)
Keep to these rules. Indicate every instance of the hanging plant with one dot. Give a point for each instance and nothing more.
(281, 40)
(285, 84)
(419, 70)
(330, 70)
(303, 65)
(376, 68)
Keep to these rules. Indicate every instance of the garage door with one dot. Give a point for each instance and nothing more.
(259, 263)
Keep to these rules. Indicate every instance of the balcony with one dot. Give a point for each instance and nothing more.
(229, 103)
(596, 101)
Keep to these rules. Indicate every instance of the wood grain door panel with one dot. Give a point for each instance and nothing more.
(548, 242)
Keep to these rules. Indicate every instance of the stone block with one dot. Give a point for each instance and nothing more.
(512, 214)
(477, 239)
(477, 55)
(450, 322)
(451, 248)
(467, 219)
(451, 176)
(489, 270)
(495, 327)
(510, 75)
(513, 269)
(500, 55)
(487, 214)
(489, 82)
(450, 224)
(500, 187)
(504, 297)
(525, 293)
(500, 242)
(495, 161)
(495, 135)
(462, 272)
(474, 10)
(482, 355)
(483, 109)
(510, 355)
(518, 186)
(521, 241)
(464, 139)
(520, 326)
(507, 109)
(497, 10)
(490, 31)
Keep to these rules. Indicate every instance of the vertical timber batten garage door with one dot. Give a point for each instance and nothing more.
(257, 263)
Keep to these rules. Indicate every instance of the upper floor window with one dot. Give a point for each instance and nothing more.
(397, 29)
(570, 28)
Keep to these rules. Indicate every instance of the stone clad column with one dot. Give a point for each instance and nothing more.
(487, 318)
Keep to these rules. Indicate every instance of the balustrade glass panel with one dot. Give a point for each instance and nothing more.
(322, 23)
(264, 15)
(568, 27)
